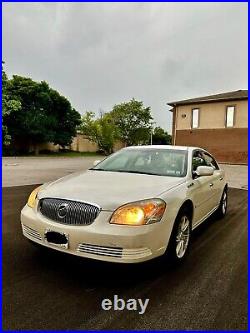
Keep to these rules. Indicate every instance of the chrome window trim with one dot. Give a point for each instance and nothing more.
(74, 200)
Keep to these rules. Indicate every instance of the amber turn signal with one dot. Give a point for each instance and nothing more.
(33, 197)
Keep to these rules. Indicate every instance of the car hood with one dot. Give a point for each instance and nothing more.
(108, 189)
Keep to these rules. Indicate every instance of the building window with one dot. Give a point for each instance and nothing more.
(195, 118)
(230, 116)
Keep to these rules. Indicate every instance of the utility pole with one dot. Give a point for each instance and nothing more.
(151, 132)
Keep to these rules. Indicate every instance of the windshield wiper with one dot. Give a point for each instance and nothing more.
(127, 171)
(139, 172)
(97, 169)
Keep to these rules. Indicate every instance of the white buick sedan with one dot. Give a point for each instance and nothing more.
(137, 204)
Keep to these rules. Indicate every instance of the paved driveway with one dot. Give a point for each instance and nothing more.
(236, 175)
(38, 170)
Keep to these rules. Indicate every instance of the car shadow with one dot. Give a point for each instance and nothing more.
(204, 227)
(93, 273)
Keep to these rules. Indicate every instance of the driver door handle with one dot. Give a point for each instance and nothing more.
(211, 184)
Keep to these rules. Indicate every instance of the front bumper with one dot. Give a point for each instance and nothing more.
(100, 240)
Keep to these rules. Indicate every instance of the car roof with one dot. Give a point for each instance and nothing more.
(163, 147)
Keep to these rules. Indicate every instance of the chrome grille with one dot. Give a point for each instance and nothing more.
(68, 211)
(27, 231)
(100, 250)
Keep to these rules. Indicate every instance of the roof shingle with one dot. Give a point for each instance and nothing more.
(232, 95)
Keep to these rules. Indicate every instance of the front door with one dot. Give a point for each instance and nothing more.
(217, 178)
(202, 189)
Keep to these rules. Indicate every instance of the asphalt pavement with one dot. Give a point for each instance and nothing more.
(45, 289)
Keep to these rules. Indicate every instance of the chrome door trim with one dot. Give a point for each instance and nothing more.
(205, 217)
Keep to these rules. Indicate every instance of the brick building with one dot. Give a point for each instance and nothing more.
(218, 123)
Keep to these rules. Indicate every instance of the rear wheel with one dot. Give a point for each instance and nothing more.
(180, 238)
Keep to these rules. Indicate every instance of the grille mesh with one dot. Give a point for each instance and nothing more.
(68, 211)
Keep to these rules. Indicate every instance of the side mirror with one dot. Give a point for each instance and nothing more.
(96, 162)
(203, 170)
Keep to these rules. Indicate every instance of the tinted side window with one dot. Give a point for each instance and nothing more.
(211, 161)
(198, 160)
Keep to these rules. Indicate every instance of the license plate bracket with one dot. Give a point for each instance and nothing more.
(56, 238)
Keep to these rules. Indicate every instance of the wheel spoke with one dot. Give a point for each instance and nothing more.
(184, 224)
(178, 247)
(182, 247)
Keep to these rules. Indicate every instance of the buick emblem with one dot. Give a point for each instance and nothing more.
(62, 210)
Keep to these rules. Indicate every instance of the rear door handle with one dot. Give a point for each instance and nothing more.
(221, 178)
(211, 184)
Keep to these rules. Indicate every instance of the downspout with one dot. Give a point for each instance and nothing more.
(175, 120)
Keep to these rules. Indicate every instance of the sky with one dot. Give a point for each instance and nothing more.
(101, 54)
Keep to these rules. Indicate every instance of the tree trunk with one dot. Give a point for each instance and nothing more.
(36, 149)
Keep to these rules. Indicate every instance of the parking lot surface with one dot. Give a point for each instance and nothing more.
(48, 290)
(38, 170)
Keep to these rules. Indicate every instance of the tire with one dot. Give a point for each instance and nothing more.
(222, 209)
(180, 238)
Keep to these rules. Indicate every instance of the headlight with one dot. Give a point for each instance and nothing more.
(139, 212)
(32, 198)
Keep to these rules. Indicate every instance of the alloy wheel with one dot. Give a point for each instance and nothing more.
(224, 202)
(183, 236)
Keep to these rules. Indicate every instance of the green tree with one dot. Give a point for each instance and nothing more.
(161, 137)
(100, 131)
(9, 105)
(133, 122)
(44, 116)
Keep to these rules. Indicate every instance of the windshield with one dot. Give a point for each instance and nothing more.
(161, 162)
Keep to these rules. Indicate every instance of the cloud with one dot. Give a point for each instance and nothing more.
(100, 54)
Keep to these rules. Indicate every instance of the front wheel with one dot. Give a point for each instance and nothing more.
(180, 238)
(222, 209)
